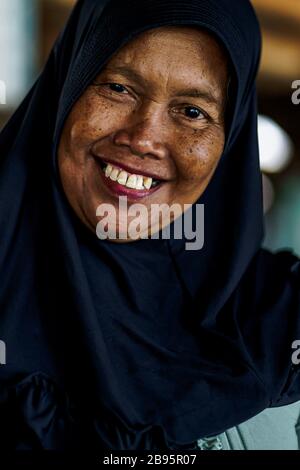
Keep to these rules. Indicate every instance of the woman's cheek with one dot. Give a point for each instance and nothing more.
(81, 133)
(195, 162)
(208, 151)
(101, 114)
(197, 158)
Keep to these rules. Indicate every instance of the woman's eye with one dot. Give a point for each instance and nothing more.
(193, 113)
(117, 87)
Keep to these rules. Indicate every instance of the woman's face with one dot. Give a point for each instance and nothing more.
(150, 127)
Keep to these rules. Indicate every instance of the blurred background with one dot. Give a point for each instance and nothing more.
(28, 29)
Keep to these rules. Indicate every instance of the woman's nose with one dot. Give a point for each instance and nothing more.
(143, 138)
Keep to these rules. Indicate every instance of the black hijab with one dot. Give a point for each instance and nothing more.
(143, 345)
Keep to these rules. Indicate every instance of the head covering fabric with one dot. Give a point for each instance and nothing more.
(142, 345)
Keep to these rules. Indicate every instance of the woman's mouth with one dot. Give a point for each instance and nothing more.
(122, 182)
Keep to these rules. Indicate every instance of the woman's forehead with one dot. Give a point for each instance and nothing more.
(179, 40)
(174, 55)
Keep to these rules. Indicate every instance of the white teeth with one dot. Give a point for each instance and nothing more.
(108, 170)
(122, 178)
(147, 182)
(131, 182)
(114, 174)
(126, 179)
(139, 182)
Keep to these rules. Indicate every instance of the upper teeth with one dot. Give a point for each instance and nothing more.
(127, 179)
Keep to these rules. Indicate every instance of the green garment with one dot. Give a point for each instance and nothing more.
(273, 429)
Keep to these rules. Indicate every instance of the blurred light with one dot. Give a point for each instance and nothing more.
(275, 146)
(18, 27)
(268, 193)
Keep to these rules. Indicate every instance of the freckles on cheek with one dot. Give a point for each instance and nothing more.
(80, 134)
(199, 158)
(90, 120)
(208, 152)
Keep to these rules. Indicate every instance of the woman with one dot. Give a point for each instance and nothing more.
(135, 342)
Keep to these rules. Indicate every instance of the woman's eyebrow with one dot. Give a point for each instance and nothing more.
(127, 72)
(206, 95)
(131, 74)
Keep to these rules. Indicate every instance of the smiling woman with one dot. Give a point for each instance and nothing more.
(153, 120)
(141, 344)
